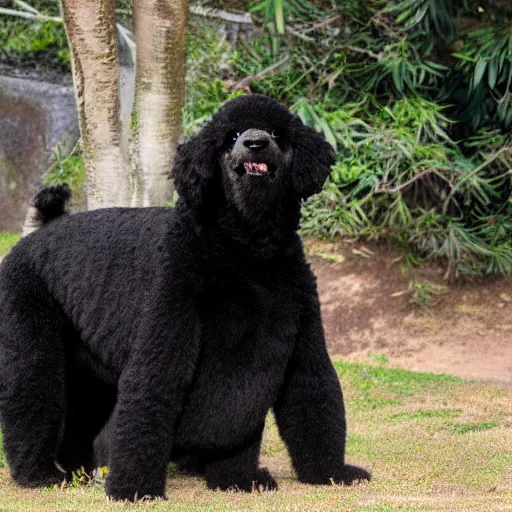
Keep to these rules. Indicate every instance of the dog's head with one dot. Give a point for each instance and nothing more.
(254, 152)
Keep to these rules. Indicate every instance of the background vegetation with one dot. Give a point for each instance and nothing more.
(36, 44)
(415, 96)
(7, 240)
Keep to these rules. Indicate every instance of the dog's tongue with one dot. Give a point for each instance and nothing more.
(255, 167)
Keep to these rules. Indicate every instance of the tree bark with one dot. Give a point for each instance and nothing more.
(160, 34)
(91, 31)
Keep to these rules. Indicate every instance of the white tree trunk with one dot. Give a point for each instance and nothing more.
(31, 222)
(160, 34)
(91, 30)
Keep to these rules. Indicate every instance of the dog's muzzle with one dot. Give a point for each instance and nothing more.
(255, 153)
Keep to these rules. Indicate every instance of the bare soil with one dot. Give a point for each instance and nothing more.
(364, 292)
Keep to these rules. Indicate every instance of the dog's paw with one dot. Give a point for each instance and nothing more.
(352, 474)
(264, 481)
(127, 493)
(42, 476)
(345, 475)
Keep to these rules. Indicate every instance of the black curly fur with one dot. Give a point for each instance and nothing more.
(50, 202)
(176, 330)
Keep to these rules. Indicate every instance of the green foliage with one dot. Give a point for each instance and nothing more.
(428, 19)
(37, 44)
(400, 176)
(7, 240)
(79, 478)
(66, 169)
(422, 294)
(208, 56)
(485, 63)
(277, 11)
(39, 39)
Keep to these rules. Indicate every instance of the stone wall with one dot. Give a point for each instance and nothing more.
(34, 117)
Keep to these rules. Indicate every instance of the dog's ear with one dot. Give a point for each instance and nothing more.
(313, 157)
(194, 168)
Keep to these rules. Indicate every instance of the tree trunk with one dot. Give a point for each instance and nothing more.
(31, 222)
(91, 30)
(160, 34)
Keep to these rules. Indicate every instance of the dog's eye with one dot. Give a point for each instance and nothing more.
(233, 135)
(274, 134)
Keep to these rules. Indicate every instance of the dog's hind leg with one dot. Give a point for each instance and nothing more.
(31, 381)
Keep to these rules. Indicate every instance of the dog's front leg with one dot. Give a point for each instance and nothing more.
(151, 393)
(310, 412)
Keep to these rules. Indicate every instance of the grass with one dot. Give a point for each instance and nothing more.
(332, 257)
(433, 442)
(469, 310)
(7, 240)
(464, 428)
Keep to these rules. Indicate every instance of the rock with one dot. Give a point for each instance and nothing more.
(35, 116)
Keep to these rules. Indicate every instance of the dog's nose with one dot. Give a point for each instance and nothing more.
(256, 143)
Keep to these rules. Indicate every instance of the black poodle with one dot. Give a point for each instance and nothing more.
(180, 327)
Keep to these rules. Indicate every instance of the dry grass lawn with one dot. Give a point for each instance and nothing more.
(433, 442)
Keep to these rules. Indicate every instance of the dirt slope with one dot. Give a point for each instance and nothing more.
(466, 331)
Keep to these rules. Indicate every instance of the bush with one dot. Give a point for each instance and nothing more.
(41, 45)
(417, 103)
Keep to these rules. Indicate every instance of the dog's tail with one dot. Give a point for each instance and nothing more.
(48, 204)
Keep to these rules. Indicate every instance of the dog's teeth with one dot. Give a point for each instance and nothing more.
(255, 167)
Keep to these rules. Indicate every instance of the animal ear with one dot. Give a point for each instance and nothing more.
(313, 157)
(194, 168)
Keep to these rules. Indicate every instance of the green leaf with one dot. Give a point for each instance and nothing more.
(493, 74)
(279, 15)
(480, 68)
(328, 133)
(464, 57)
(420, 14)
(403, 16)
(258, 8)
(397, 78)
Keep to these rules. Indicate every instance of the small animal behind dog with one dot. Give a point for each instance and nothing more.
(176, 330)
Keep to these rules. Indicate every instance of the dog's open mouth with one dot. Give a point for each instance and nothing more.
(256, 168)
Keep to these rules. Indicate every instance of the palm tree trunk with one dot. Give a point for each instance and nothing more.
(91, 31)
(160, 33)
